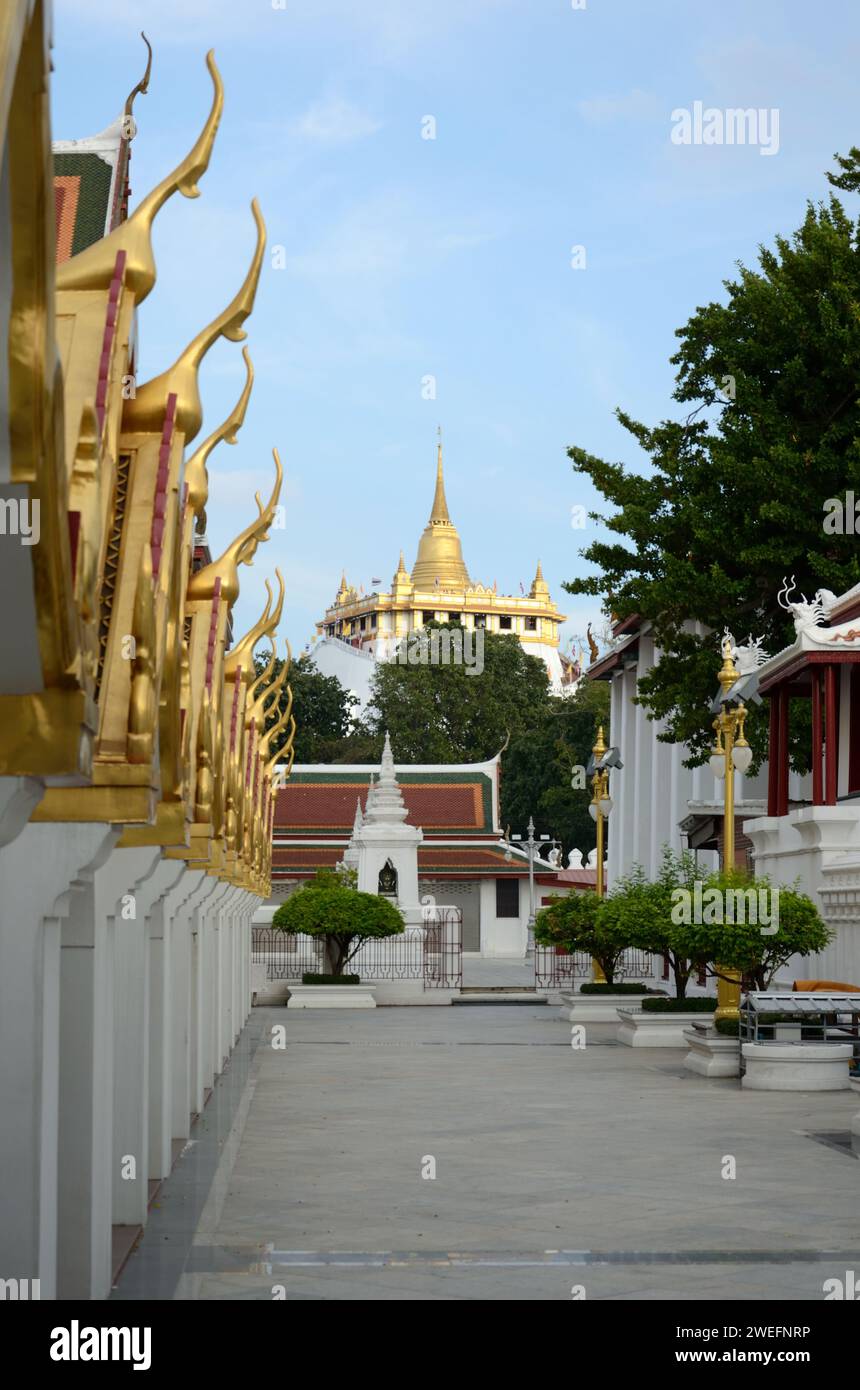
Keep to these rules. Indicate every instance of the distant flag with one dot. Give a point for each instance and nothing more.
(522, 590)
(376, 581)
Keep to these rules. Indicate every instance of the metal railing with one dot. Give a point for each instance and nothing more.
(557, 969)
(431, 953)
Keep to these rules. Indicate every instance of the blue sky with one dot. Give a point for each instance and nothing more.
(406, 257)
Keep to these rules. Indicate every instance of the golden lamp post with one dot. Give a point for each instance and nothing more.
(601, 805)
(731, 753)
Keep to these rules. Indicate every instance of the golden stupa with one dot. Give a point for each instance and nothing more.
(440, 564)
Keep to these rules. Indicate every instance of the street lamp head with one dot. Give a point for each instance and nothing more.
(592, 810)
(718, 765)
(605, 805)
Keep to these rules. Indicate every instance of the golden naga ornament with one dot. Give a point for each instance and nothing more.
(242, 655)
(196, 475)
(241, 551)
(93, 268)
(144, 412)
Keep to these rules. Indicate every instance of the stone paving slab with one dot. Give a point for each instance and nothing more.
(538, 1147)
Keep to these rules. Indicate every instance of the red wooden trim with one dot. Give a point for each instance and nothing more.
(817, 741)
(782, 765)
(854, 732)
(773, 756)
(804, 660)
(831, 736)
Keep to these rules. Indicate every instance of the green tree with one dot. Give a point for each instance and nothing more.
(578, 923)
(734, 499)
(539, 768)
(323, 710)
(743, 945)
(445, 713)
(344, 917)
(642, 910)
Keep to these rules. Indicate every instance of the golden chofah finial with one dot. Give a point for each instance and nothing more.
(284, 718)
(142, 87)
(258, 693)
(257, 713)
(196, 476)
(288, 746)
(144, 413)
(241, 551)
(93, 268)
(242, 654)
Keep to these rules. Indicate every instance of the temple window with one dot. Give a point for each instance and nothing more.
(531, 624)
(507, 897)
(427, 616)
(480, 620)
(504, 622)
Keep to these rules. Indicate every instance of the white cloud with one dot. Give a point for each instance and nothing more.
(335, 121)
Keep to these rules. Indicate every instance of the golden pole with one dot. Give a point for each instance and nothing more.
(599, 789)
(729, 989)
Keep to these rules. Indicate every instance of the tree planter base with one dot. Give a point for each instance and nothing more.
(598, 1008)
(332, 996)
(796, 1066)
(638, 1029)
(711, 1054)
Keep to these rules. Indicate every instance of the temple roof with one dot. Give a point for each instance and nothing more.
(443, 801)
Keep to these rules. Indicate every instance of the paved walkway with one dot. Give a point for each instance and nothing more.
(554, 1169)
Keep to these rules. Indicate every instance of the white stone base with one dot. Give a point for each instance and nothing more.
(332, 996)
(711, 1054)
(598, 1008)
(638, 1029)
(796, 1066)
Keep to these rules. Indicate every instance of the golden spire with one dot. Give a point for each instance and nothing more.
(144, 413)
(93, 268)
(440, 504)
(241, 551)
(440, 555)
(196, 475)
(540, 588)
(242, 655)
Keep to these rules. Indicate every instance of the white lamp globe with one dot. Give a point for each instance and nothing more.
(592, 811)
(605, 805)
(742, 756)
(718, 765)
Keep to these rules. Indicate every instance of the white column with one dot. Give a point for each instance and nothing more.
(37, 864)
(158, 923)
(85, 1090)
(131, 1035)
(200, 945)
(181, 1008)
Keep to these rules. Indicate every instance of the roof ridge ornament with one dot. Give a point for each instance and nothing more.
(196, 474)
(93, 267)
(181, 379)
(241, 656)
(241, 551)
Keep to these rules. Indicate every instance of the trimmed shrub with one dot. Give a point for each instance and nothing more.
(626, 988)
(698, 1004)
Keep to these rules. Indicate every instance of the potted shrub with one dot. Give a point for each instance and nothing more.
(759, 953)
(328, 908)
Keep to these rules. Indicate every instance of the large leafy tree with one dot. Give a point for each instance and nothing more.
(734, 497)
(323, 710)
(443, 712)
(539, 768)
